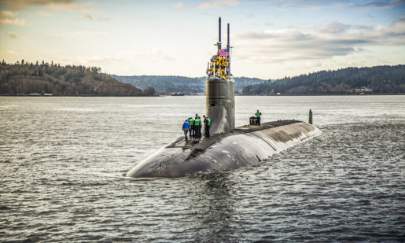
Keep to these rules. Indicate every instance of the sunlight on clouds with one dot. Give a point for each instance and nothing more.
(271, 38)
(179, 5)
(10, 18)
(284, 45)
(207, 4)
(12, 35)
(21, 4)
(10, 7)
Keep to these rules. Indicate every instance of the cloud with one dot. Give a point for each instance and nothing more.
(344, 3)
(69, 6)
(328, 41)
(88, 16)
(338, 27)
(396, 29)
(381, 4)
(12, 35)
(86, 10)
(77, 35)
(209, 4)
(125, 61)
(179, 5)
(10, 18)
(10, 54)
(93, 17)
(16, 5)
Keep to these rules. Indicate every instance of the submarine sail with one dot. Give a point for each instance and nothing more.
(219, 88)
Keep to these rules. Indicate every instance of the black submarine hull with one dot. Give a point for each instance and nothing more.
(243, 146)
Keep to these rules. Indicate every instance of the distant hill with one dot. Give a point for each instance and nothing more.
(165, 84)
(370, 80)
(28, 79)
(173, 84)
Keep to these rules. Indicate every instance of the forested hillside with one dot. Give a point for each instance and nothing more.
(370, 80)
(25, 78)
(165, 84)
(187, 85)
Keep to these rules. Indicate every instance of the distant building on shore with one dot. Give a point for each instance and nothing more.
(363, 90)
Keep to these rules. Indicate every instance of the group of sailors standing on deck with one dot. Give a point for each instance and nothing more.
(192, 127)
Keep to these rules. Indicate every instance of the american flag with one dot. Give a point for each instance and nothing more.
(223, 53)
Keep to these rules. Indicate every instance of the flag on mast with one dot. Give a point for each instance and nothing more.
(223, 53)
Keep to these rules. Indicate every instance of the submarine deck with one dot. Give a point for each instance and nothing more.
(206, 142)
(253, 128)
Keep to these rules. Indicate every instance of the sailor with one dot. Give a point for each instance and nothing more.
(191, 130)
(258, 115)
(186, 128)
(197, 126)
(207, 125)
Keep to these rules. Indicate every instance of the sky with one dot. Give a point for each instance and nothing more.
(269, 38)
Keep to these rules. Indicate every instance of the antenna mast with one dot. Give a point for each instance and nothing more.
(219, 34)
(228, 46)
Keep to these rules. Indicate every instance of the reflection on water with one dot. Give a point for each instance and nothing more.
(62, 161)
(217, 212)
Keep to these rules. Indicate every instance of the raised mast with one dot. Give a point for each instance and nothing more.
(228, 40)
(228, 46)
(219, 43)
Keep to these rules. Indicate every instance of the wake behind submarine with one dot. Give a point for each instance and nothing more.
(229, 147)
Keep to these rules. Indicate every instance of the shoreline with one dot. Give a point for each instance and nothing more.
(291, 95)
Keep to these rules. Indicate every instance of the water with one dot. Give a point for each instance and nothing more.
(62, 161)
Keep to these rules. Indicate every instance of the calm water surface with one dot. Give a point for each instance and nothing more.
(62, 161)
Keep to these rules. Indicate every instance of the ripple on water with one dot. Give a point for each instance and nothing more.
(62, 166)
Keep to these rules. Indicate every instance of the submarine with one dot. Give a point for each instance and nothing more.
(228, 147)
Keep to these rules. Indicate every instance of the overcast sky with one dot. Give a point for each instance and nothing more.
(270, 38)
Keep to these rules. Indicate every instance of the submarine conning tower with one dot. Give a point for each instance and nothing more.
(219, 88)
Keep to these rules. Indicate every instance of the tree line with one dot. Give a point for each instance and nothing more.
(24, 78)
(170, 84)
(366, 80)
